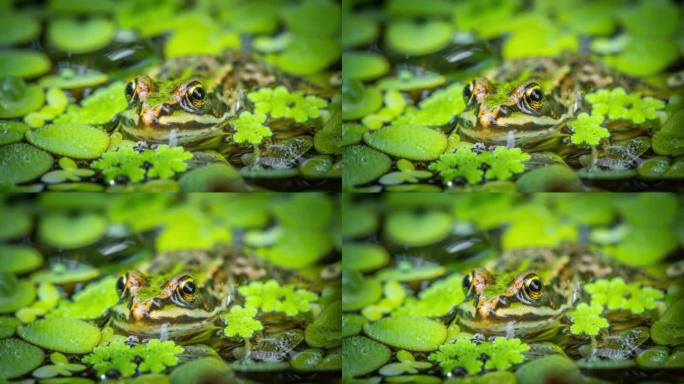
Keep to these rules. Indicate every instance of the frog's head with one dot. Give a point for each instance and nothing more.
(520, 110)
(183, 110)
(520, 301)
(176, 304)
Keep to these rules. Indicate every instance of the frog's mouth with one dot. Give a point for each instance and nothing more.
(517, 318)
(181, 128)
(173, 322)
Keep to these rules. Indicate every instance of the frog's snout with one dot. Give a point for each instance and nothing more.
(141, 310)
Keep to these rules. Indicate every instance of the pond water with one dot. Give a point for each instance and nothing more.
(166, 289)
(169, 95)
(510, 288)
(512, 95)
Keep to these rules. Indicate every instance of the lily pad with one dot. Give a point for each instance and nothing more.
(7, 326)
(669, 329)
(18, 358)
(364, 257)
(359, 29)
(201, 370)
(548, 369)
(69, 78)
(358, 292)
(407, 81)
(352, 324)
(213, 177)
(18, 28)
(63, 231)
(75, 36)
(363, 65)
(15, 294)
(408, 332)
(552, 178)
(21, 162)
(358, 221)
(14, 223)
(653, 357)
(17, 99)
(23, 63)
(361, 164)
(415, 39)
(408, 142)
(325, 330)
(669, 140)
(409, 272)
(60, 274)
(77, 141)
(416, 230)
(307, 55)
(361, 355)
(62, 335)
(359, 101)
(19, 258)
(12, 131)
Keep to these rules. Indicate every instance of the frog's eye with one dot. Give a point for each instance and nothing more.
(130, 90)
(533, 287)
(196, 94)
(187, 288)
(533, 96)
(121, 284)
(468, 92)
(467, 280)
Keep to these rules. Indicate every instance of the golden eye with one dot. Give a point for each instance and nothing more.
(533, 286)
(534, 96)
(187, 288)
(196, 94)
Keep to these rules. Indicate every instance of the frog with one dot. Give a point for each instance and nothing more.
(189, 101)
(180, 295)
(529, 292)
(528, 103)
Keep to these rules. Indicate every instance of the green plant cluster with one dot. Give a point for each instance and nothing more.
(586, 319)
(154, 356)
(241, 322)
(270, 296)
(617, 294)
(499, 354)
(500, 164)
(617, 104)
(161, 163)
(250, 128)
(279, 102)
(587, 129)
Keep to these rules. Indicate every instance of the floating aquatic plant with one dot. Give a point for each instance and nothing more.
(60, 367)
(394, 106)
(281, 103)
(250, 128)
(57, 102)
(462, 353)
(90, 303)
(499, 354)
(438, 109)
(70, 171)
(586, 319)
(436, 300)
(462, 163)
(616, 104)
(241, 322)
(48, 296)
(502, 163)
(407, 174)
(98, 108)
(617, 294)
(407, 364)
(163, 163)
(154, 356)
(588, 130)
(270, 296)
(394, 296)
